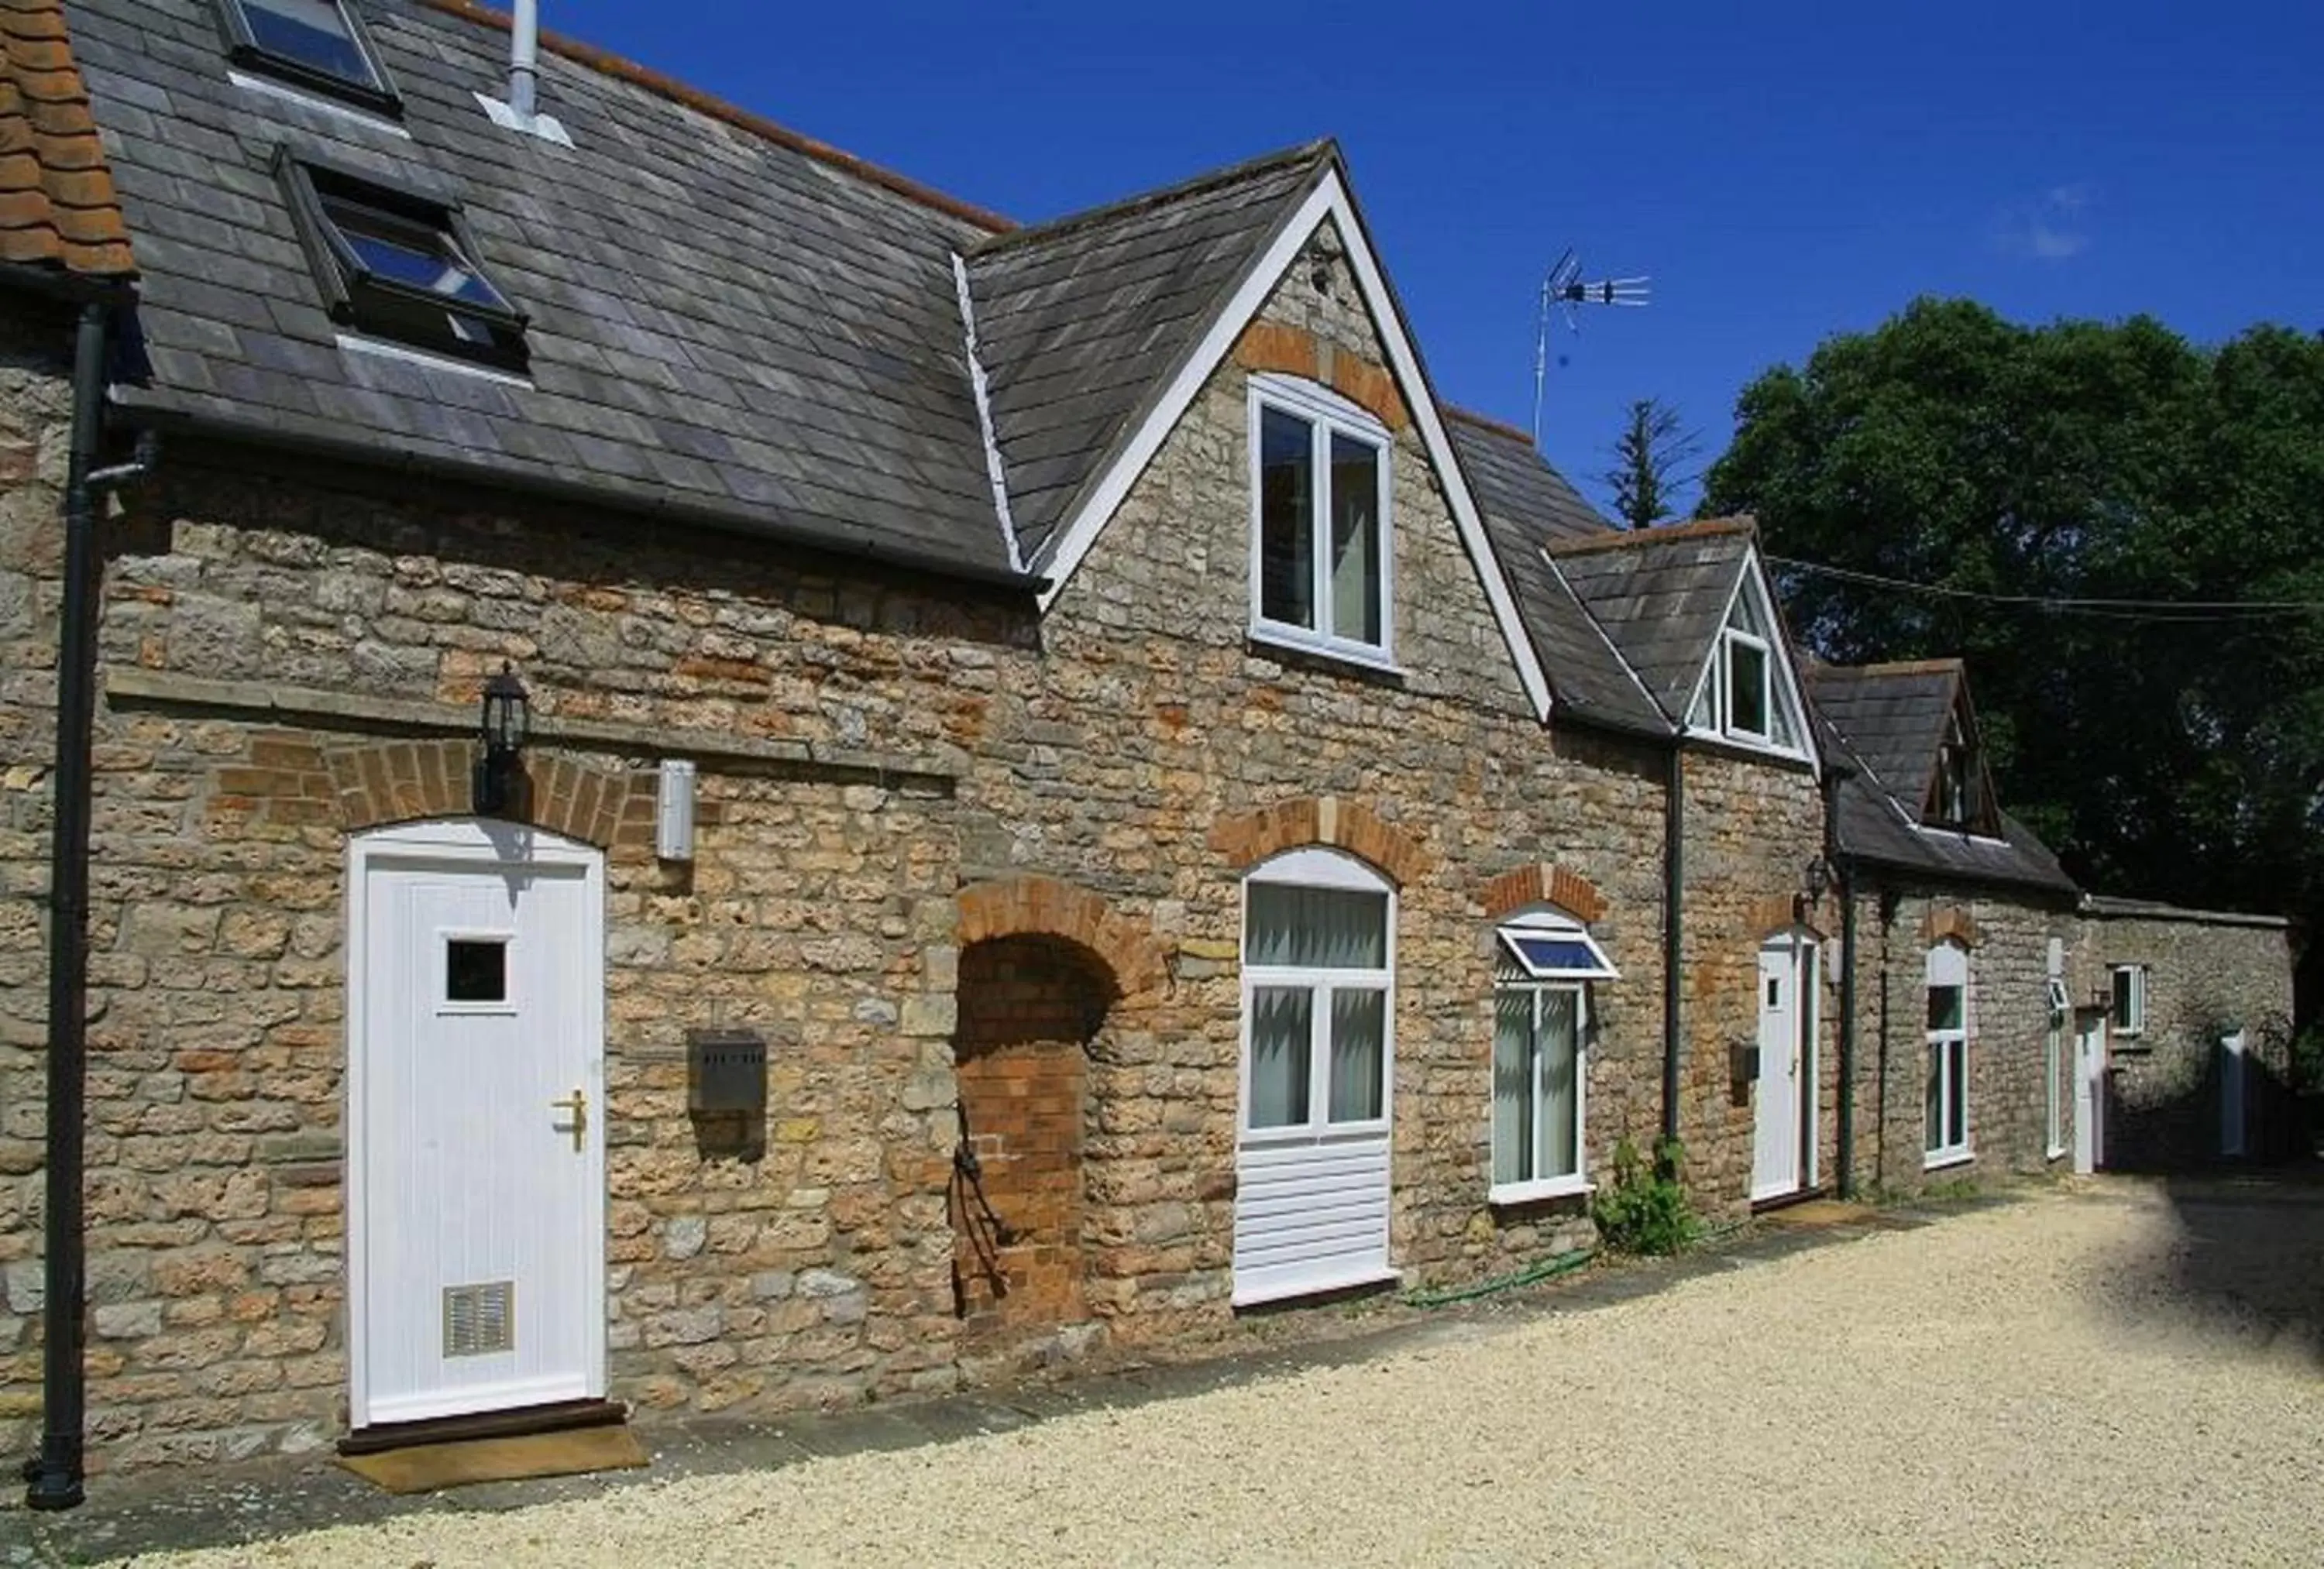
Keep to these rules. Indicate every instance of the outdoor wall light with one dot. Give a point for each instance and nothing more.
(1818, 878)
(506, 722)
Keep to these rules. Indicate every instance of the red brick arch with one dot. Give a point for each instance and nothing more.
(399, 781)
(1039, 906)
(1544, 884)
(1321, 820)
(1951, 922)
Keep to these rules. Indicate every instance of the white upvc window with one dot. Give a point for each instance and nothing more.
(1321, 540)
(1946, 1105)
(1542, 964)
(1743, 695)
(2053, 1069)
(1318, 995)
(2129, 999)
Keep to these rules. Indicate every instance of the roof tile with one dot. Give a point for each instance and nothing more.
(58, 205)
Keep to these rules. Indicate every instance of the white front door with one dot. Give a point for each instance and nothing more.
(475, 1122)
(1781, 1119)
(2089, 1092)
(2232, 1062)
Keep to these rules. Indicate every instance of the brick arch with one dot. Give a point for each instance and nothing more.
(1039, 906)
(1544, 884)
(1781, 912)
(387, 782)
(1325, 820)
(1290, 351)
(1951, 922)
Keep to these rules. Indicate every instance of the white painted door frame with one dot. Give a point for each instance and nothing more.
(2090, 1089)
(1784, 1101)
(482, 846)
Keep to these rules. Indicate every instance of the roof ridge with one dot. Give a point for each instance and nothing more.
(1626, 539)
(1487, 422)
(662, 84)
(1306, 151)
(1947, 664)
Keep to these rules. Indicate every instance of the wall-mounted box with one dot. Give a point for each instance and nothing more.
(1743, 1064)
(725, 1072)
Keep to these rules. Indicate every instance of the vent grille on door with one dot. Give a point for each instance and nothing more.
(479, 1320)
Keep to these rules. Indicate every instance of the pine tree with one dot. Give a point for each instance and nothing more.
(1651, 459)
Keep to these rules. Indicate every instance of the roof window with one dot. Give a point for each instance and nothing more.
(319, 44)
(402, 266)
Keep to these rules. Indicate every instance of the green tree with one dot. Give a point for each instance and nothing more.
(2180, 757)
(1651, 459)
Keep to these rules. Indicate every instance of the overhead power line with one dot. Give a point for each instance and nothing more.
(2172, 611)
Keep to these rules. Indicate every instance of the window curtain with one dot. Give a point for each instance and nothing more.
(1536, 1083)
(1512, 1085)
(1358, 1055)
(1281, 1033)
(1355, 540)
(1560, 1068)
(1316, 928)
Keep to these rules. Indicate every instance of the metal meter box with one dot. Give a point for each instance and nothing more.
(725, 1070)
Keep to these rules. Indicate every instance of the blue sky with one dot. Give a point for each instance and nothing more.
(1784, 171)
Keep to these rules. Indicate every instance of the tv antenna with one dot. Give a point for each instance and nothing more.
(1562, 288)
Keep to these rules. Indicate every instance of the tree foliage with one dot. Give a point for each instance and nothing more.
(1651, 459)
(2178, 758)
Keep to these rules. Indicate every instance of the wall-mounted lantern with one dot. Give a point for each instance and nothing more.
(507, 724)
(1818, 879)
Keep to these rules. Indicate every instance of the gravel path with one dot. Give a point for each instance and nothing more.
(2028, 1384)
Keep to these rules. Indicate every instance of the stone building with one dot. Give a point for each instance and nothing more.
(1066, 795)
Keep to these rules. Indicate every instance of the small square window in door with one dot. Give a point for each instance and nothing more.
(475, 969)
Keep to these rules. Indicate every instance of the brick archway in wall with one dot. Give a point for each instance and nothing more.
(388, 782)
(1042, 964)
(1247, 840)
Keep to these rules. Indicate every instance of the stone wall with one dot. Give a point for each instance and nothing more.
(1157, 716)
(2008, 942)
(1752, 827)
(2206, 976)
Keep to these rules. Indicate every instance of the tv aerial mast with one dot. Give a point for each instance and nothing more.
(1562, 288)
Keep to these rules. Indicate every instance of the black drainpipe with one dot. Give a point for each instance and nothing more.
(53, 1476)
(1673, 926)
(1835, 775)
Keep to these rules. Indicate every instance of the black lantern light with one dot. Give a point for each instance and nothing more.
(507, 725)
(1818, 878)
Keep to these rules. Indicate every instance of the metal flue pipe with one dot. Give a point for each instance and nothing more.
(524, 57)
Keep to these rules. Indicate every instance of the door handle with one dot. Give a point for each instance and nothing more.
(579, 1104)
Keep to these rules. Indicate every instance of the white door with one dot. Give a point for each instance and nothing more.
(476, 1124)
(2232, 1063)
(1781, 1120)
(2089, 1092)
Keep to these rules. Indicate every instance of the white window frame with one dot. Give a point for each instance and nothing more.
(1320, 869)
(1782, 690)
(1326, 414)
(1947, 966)
(1537, 980)
(2133, 1024)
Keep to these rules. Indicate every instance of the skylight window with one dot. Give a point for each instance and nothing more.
(319, 44)
(403, 267)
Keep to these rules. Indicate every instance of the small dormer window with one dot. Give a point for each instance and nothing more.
(402, 267)
(1743, 696)
(1953, 791)
(1320, 563)
(319, 44)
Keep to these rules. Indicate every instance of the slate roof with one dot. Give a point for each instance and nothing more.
(1082, 323)
(1662, 595)
(1527, 505)
(726, 326)
(1888, 720)
(58, 209)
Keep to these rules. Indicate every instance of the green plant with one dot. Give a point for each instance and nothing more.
(1645, 1211)
(2308, 1061)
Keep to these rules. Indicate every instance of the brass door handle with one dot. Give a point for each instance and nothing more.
(579, 1104)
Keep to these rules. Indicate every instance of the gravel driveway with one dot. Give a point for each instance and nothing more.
(2035, 1383)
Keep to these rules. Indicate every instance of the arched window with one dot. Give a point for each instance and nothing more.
(1317, 976)
(1543, 963)
(1947, 1107)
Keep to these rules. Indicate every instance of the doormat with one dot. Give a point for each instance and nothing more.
(427, 1467)
(1817, 1212)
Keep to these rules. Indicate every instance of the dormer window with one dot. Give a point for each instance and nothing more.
(1320, 564)
(1743, 696)
(317, 44)
(1953, 788)
(402, 267)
